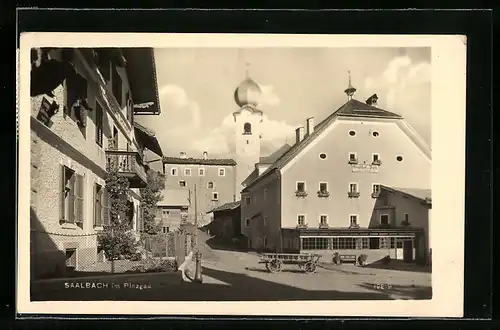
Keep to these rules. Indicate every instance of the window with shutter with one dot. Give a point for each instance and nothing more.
(67, 195)
(99, 118)
(78, 199)
(97, 205)
(105, 207)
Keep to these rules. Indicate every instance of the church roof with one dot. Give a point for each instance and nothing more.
(352, 108)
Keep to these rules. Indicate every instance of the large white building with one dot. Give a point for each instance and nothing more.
(357, 182)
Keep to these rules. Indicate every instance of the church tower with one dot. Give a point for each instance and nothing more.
(248, 119)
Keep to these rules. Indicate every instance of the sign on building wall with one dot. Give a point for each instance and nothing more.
(47, 111)
(365, 168)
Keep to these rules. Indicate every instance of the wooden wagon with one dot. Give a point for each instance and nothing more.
(275, 261)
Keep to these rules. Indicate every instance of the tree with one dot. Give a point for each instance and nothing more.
(116, 239)
(151, 195)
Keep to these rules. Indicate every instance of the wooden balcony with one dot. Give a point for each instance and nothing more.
(129, 164)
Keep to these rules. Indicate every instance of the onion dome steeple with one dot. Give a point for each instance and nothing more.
(248, 92)
(350, 90)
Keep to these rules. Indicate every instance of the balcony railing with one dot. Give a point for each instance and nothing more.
(377, 162)
(375, 194)
(128, 163)
(323, 226)
(353, 194)
(353, 161)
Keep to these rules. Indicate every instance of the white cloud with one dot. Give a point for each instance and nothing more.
(268, 96)
(175, 99)
(401, 78)
(404, 88)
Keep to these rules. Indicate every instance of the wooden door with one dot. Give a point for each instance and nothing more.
(408, 250)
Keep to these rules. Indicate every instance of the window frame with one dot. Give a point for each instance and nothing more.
(201, 171)
(356, 216)
(223, 171)
(304, 219)
(355, 154)
(208, 185)
(388, 219)
(99, 124)
(319, 186)
(174, 169)
(297, 186)
(215, 196)
(321, 219)
(247, 222)
(356, 184)
(188, 170)
(184, 183)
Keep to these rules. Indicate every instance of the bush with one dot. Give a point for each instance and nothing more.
(362, 259)
(117, 244)
(336, 258)
(150, 265)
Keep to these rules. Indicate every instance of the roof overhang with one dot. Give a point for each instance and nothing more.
(141, 70)
(147, 138)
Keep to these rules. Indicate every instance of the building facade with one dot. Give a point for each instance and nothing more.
(173, 210)
(214, 180)
(323, 193)
(83, 103)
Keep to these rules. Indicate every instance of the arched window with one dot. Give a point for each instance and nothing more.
(247, 128)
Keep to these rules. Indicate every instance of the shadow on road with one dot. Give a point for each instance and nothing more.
(412, 292)
(239, 287)
(399, 265)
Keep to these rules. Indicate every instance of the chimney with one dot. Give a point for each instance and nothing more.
(299, 134)
(205, 155)
(372, 100)
(183, 154)
(310, 125)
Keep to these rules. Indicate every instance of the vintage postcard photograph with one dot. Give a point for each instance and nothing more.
(216, 174)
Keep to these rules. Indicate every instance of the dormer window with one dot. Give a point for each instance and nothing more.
(247, 128)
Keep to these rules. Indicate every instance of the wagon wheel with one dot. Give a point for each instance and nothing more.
(275, 266)
(310, 267)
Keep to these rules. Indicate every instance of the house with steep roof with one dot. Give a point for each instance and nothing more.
(226, 224)
(323, 194)
(172, 210)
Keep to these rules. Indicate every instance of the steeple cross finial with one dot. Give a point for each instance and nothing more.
(350, 89)
(247, 69)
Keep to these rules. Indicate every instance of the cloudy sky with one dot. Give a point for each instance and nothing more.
(196, 87)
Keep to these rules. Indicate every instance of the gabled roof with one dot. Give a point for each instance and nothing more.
(226, 207)
(199, 161)
(355, 108)
(272, 158)
(422, 194)
(147, 138)
(352, 108)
